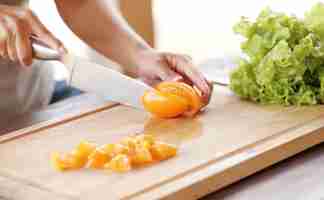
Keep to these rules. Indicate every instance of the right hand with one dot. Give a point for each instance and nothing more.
(17, 26)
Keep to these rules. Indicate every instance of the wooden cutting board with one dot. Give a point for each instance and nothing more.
(230, 140)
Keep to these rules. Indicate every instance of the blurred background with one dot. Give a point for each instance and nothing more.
(202, 29)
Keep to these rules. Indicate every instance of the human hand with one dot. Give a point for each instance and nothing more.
(17, 28)
(153, 67)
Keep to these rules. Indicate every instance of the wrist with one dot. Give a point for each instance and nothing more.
(140, 55)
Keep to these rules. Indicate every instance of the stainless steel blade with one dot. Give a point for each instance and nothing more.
(113, 85)
(218, 70)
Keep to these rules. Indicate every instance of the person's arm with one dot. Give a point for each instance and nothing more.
(100, 24)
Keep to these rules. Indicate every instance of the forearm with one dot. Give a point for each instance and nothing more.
(100, 24)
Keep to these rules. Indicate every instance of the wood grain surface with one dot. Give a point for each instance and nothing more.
(299, 177)
(54, 114)
(229, 141)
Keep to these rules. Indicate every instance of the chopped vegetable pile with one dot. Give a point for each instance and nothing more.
(285, 58)
(118, 157)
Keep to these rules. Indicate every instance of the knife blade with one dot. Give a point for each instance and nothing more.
(217, 70)
(92, 77)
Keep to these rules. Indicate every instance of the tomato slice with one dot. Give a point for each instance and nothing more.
(97, 159)
(120, 163)
(63, 162)
(163, 151)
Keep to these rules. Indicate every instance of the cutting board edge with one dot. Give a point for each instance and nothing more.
(56, 121)
(207, 180)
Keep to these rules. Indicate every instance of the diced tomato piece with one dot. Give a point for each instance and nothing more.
(97, 159)
(142, 155)
(62, 163)
(120, 163)
(163, 151)
(114, 149)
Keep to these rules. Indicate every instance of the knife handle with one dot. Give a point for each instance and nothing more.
(44, 53)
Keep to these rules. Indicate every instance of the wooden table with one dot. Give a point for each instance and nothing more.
(299, 177)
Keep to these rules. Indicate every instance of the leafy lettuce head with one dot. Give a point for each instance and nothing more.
(285, 58)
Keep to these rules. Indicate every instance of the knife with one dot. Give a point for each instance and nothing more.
(91, 77)
(217, 70)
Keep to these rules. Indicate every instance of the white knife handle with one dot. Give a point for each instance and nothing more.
(44, 53)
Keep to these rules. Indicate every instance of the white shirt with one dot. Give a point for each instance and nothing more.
(23, 89)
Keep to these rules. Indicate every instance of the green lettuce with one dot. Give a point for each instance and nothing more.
(284, 61)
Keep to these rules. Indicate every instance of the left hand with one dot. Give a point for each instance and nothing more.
(154, 67)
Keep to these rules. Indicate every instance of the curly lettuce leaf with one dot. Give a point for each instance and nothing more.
(285, 58)
(314, 19)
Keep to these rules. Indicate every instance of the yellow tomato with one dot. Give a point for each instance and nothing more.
(62, 163)
(163, 151)
(82, 152)
(164, 105)
(185, 91)
(114, 149)
(97, 159)
(142, 155)
(172, 99)
(120, 163)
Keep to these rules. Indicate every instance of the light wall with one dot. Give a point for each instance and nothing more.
(46, 10)
(204, 28)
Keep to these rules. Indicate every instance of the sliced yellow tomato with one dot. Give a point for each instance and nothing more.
(85, 148)
(129, 142)
(172, 99)
(142, 155)
(145, 139)
(120, 163)
(164, 105)
(98, 159)
(62, 163)
(119, 157)
(185, 91)
(163, 151)
(114, 149)
(82, 152)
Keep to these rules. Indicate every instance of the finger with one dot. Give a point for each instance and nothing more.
(172, 76)
(43, 34)
(3, 38)
(167, 74)
(176, 78)
(187, 57)
(23, 45)
(3, 49)
(150, 81)
(11, 47)
(191, 73)
(181, 65)
(11, 39)
(188, 81)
